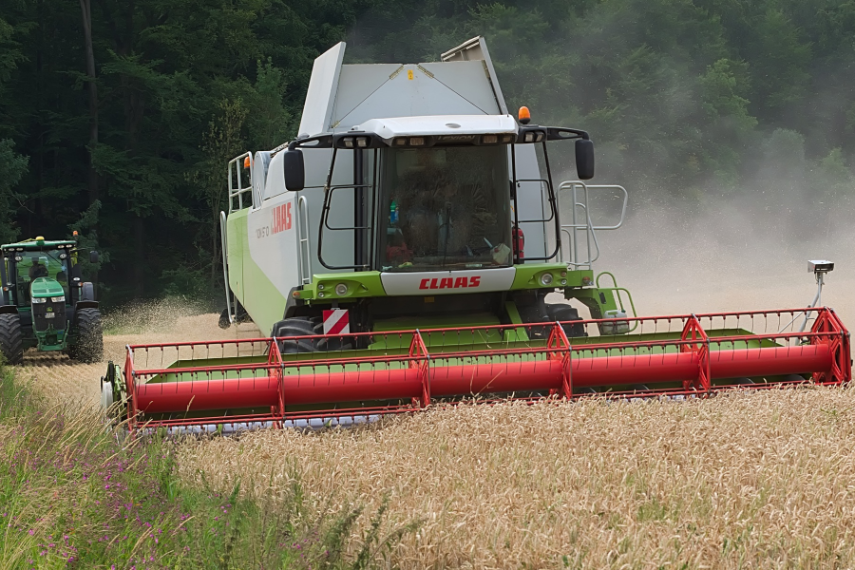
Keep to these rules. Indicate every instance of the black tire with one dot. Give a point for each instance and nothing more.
(241, 316)
(565, 313)
(11, 339)
(329, 343)
(88, 345)
(294, 326)
(332, 343)
(532, 311)
(302, 326)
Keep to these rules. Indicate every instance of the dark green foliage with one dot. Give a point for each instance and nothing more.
(12, 167)
(689, 98)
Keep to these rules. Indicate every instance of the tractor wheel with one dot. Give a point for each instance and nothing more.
(302, 326)
(565, 313)
(532, 311)
(11, 339)
(294, 326)
(88, 340)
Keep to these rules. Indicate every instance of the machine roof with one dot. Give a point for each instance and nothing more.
(341, 96)
(440, 125)
(34, 245)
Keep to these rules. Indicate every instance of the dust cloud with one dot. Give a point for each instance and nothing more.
(737, 254)
(730, 254)
(161, 321)
(67, 382)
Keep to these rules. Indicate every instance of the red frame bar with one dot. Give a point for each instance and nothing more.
(558, 367)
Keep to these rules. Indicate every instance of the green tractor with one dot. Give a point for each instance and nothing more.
(45, 303)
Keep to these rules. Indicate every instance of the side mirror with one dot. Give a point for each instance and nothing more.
(585, 159)
(295, 172)
(93, 256)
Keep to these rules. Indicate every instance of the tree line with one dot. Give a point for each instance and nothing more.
(118, 118)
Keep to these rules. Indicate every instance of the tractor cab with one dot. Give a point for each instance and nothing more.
(36, 283)
(42, 290)
(40, 275)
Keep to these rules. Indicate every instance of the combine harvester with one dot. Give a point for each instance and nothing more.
(400, 251)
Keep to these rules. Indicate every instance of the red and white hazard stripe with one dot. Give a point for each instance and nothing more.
(336, 321)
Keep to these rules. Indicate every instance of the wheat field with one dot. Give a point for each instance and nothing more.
(761, 479)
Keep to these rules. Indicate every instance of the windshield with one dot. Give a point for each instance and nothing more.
(34, 264)
(445, 208)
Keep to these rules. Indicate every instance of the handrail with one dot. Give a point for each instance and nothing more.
(239, 190)
(225, 246)
(324, 223)
(593, 237)
(344, 187)
(586, 225)
(544, 186)
(566, 184)
(304, 243)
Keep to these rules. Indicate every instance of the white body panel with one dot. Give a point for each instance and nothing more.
(476, 49)
(273, 241)
(413, 90)
(323, 87)
(390, 128)
(391, 99)
(338, 245)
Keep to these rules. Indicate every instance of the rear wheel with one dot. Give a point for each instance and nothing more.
(88, 344)
(240, 317)
(224, 321)
(11, 338)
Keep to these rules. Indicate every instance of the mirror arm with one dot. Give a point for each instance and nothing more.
(558, 134)
(321, 141)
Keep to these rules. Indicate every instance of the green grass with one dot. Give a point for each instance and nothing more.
(74, 494)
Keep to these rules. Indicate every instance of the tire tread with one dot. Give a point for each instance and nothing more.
(89, 340)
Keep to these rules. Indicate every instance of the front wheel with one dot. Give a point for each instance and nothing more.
(88, 341)
(304, 326)
(567, 315)
(11, 338)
